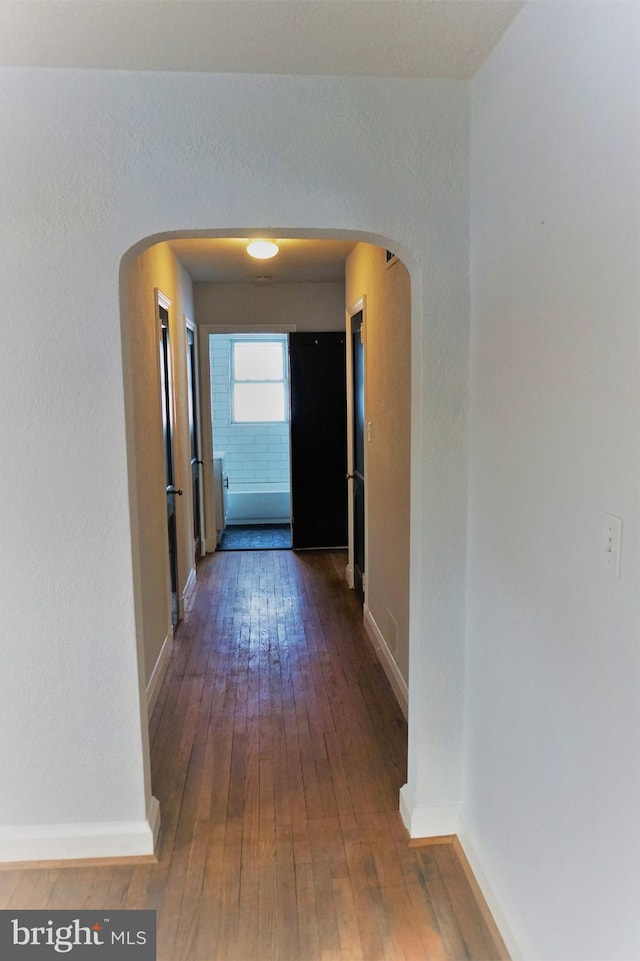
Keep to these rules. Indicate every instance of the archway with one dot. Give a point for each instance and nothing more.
(151, 265)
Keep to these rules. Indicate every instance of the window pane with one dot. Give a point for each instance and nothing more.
(258, 402)
(254, 360)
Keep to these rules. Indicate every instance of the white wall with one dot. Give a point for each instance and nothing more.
(309, 306)
(93, 162)
(552, 774)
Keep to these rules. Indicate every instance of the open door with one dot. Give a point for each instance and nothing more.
(167, 403)
(356, 477)
(194, 438)
(318, 439)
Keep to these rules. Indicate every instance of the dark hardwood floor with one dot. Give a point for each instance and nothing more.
(278, 751)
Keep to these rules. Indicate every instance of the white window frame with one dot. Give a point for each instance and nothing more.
(260, 338)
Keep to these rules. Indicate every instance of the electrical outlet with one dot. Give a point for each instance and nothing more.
(612, 544)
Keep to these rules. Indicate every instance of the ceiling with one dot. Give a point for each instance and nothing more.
(225, 260)
(427, 39)
(373, 38)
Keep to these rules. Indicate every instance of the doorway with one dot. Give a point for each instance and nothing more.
(194, 438)
(388, 343)
(356, 475)
(319, 439)
(167, 402)
(250, 403)
(279, 447)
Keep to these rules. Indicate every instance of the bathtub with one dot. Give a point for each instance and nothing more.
(258, 503)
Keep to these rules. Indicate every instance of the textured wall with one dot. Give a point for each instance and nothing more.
(553, 699)
(93, 162)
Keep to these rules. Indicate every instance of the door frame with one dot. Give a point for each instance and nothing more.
(164, 302)
(206, 424)
(353, 309)
(197, 402)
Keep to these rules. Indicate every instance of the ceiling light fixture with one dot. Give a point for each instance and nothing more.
(262, 249)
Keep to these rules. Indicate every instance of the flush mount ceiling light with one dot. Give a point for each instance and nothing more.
(262, 249)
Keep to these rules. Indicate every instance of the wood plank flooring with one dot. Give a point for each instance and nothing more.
(278, 751)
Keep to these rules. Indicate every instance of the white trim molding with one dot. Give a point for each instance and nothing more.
(62, 842)
(153, 817)
(386, 658)
(517, 945)
(189, 588)
(427, 820)
(161, 299)
(158, 673)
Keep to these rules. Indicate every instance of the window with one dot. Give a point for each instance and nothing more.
(258, 379)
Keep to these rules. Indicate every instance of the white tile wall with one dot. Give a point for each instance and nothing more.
(255, 452)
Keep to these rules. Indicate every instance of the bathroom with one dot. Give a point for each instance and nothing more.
(250, 418)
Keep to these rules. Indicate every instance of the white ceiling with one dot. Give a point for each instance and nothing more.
(225, 260)
(375, 38)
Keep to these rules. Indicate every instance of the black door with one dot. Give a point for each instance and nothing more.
(357, 478)
(318, 439)
(166, 396)
(193, 441)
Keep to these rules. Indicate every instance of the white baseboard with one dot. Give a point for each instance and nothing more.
(153, 817)
(189, 592)
(517, 945)
(190, 585)
(387, 660)
(184, 597)
(158, 673)
(427, 820)
(62, 842)
(348, 573)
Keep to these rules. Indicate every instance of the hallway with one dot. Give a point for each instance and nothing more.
(278, 751)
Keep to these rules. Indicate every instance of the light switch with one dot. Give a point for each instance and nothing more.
(611, 544)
